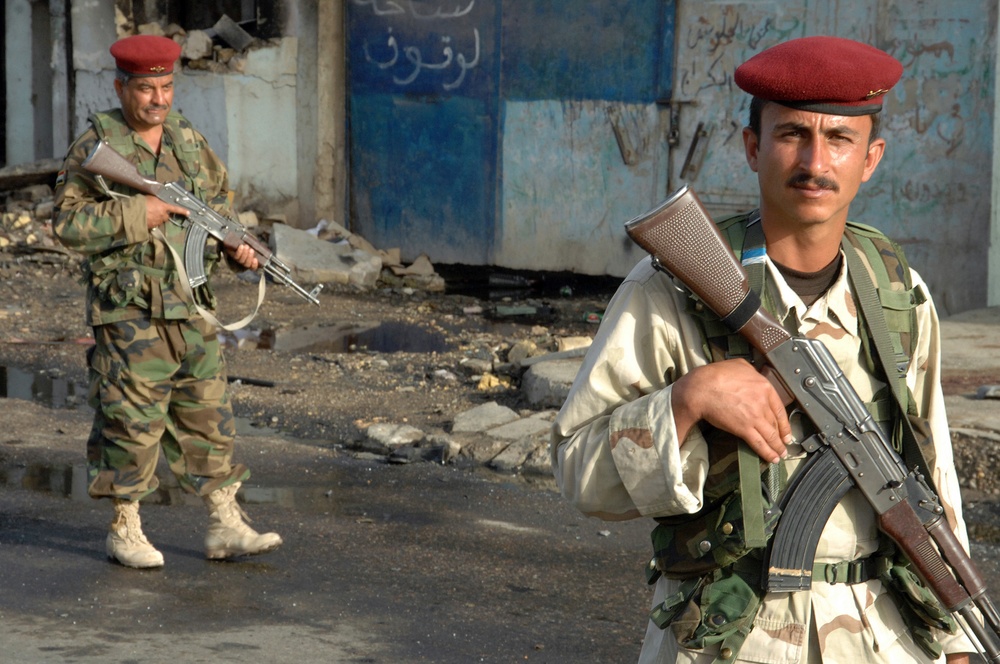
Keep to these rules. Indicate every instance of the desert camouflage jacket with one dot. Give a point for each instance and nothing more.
(130, 273)
(645, 342)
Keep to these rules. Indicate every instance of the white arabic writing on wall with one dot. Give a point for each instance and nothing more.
(411, 60)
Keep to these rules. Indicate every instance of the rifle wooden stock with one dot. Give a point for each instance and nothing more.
(103, 160)
(849, 449)
(699, 258)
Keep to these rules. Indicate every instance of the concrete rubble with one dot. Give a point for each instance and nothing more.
(496, 436)
(327, 254)
(491, 434)
(535, 373)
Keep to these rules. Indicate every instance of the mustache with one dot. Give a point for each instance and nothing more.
(156, 107)
(814, 181)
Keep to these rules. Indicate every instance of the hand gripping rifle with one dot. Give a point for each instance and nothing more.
(849, 450)
(202, 221)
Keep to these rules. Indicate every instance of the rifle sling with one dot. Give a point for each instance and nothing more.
(185, 284)
(871, 309)
(752, 257)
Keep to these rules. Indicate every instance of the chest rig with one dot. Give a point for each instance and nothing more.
(717, 553)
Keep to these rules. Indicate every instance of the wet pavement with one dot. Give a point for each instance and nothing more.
(414, 563)
(382, 563)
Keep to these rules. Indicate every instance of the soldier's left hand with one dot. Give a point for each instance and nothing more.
(245, 256)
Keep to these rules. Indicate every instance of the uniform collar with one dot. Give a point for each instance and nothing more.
(836, 307)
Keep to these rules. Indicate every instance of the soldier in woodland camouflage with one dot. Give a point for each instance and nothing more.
(643, 430)
(158, 376)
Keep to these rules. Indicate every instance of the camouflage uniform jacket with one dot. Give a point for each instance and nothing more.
(130, 273)
(616, 456)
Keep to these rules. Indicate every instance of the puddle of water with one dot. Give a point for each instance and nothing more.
(386, 337)
(497, 284)
(49, 388)
(71, 481)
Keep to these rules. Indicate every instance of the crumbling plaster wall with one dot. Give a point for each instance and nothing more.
(253, 117)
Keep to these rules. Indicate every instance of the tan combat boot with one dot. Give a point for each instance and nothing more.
(228, 534)
(126, 543)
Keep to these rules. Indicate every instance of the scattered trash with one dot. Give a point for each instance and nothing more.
(510, 281)
(524, 311)
(593, 317)
(988, 392)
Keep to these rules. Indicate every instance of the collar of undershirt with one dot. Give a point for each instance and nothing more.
(810, 286)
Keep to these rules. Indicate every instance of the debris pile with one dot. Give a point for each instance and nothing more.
(218, 49)
(328, 254)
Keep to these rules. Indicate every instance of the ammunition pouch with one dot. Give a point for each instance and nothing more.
(919, 608)
(698, 544)
(718, 608)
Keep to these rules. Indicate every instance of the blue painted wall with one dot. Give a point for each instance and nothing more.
(423, 114)
(565, 119)
(454, 148)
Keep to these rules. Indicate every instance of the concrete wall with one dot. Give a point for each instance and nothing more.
(576, 158)
(932, 191)
(579, 115)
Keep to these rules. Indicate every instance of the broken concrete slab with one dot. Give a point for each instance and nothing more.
(482, 418)
(315, 261)
(514, 455)
(483, 449)
(24, 175)
(528, 426)
(385, 437)
(547, 384)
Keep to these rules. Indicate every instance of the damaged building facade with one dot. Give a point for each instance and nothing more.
(523, 134)
(257, 80)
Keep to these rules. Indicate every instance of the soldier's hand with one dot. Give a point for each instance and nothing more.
(245, 256)
(734, 397)
(158, 212)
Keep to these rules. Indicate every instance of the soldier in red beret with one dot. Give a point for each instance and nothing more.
(664, 385)
(158, 378)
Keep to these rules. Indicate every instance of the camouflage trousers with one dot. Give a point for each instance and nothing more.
(159, 384)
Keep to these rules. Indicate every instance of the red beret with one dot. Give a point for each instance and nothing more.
(146, 55)
(821, 74)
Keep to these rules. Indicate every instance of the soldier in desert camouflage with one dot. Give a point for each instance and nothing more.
(638, 432)
(157, 372)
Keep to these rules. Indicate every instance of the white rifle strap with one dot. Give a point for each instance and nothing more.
(205, 313)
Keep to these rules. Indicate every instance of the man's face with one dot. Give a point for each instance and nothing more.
(146, 101)
(810, 165)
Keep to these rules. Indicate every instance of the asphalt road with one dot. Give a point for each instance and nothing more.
(382, 563)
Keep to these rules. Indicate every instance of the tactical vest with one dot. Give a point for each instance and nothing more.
(123, 276)
(187, 145)
(718, 552)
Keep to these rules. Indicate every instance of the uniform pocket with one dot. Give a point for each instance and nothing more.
(705, 612)
(104, 371)
(121, 288)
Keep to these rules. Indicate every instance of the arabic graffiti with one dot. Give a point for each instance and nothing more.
(414, 56)
(400, 57)
(389, 7)
(713, 45)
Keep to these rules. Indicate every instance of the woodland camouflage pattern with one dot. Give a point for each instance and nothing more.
(616, 456)
(157, 373)
(130, 274)
(143, 370)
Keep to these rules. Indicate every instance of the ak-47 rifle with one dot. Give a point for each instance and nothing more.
(849, 450)
(202, 220)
